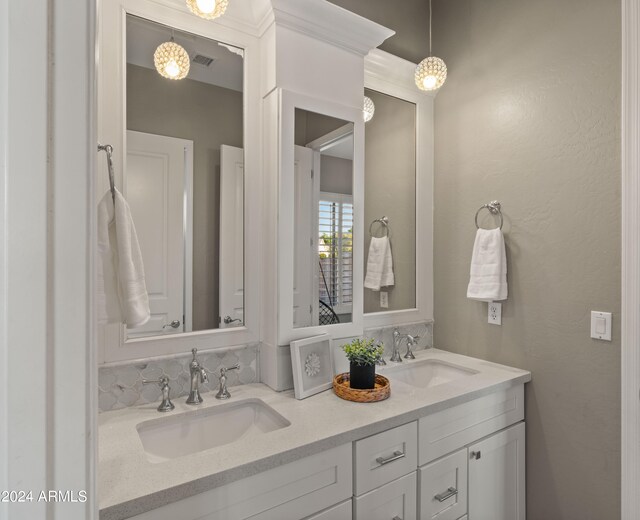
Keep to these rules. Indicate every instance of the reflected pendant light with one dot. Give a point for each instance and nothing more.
(208, 9)
(431, 72)
(368, 109)
(171, 60)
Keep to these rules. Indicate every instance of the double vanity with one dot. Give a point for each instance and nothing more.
(448, 442)
(256, 191)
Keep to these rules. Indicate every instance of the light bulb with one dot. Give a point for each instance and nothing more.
(172, 69)
(429, 82)
(206, 6)
(208, 9)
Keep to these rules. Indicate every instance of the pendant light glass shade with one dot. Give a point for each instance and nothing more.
(208, 9)
(171, 60)
(368, 109)
(431, 73)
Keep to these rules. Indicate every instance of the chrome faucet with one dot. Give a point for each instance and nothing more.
(397, 338)
(223, 393)
(198, 375)
(412, 341)
(166, 405)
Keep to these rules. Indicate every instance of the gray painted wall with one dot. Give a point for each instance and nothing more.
(390, 189)
(209, 116)
(336, 175)
(530, 116)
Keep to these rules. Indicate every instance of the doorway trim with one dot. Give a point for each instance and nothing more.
(630, 326)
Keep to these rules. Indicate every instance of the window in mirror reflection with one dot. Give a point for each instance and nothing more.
(184, 180)
(323, 227)
(390, 190)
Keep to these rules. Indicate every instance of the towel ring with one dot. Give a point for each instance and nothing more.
(385, 223)
(495, 208)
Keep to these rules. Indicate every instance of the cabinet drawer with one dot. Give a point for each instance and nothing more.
(450, 429)
(443, 488)
(386, 456)
(340, 512)
(393, 501)
(288, 492)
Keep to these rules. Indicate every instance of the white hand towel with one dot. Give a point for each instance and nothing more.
(379, 264)
(122, 292)
(488, 276)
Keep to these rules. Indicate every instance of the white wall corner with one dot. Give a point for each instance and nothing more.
(630, 376)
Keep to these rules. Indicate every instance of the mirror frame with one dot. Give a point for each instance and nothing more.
(111, 119)
(289, 101)
(393, 76)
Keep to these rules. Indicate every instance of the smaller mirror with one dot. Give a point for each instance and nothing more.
(323, 227)
(390, 191)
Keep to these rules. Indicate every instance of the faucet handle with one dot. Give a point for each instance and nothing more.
(223, 393)
(224, 370)
(163, 382)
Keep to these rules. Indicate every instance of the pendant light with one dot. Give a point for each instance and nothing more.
(431, 72)
(171, 60)
(208, 9)
(368, 109)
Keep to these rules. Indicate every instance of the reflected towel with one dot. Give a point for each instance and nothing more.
(379, 264)
(122, 291)
(488, 275)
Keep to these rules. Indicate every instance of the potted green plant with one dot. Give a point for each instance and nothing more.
(363, 355)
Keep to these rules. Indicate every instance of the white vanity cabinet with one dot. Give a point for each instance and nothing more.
(497, 476)
(472, 459)
(289, 492)
(465, 461)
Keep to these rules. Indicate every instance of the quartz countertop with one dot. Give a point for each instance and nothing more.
(130, 484)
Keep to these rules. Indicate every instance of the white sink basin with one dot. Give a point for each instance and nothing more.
(427, 373)
(171, 437)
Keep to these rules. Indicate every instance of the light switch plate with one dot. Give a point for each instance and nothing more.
(495, 313)
(384, 299)
(601, 325)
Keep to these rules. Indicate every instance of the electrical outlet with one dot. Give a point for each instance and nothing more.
(495, 313)
(384, 299)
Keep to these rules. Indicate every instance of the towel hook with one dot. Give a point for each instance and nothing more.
(108, 149)
(495, 208)
(385, 223)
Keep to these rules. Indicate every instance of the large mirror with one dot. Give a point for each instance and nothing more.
(390, 201)
(323, 220)
(183, 176)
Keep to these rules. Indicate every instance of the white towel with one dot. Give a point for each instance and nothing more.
(488, 276)
(122, 292)
(379, 264)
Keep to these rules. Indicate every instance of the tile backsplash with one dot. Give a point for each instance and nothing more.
(121, 386)
(423, 330)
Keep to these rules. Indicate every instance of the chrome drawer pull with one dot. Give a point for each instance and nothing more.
(451, 492)
(396, 455)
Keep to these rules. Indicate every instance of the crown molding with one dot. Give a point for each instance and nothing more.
(386, 68)
(330, 23)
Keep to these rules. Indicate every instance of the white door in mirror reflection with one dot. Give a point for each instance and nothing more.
(159, 171)
(304, 260)
(231, 236)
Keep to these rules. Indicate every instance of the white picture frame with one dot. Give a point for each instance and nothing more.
(312, 363)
